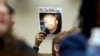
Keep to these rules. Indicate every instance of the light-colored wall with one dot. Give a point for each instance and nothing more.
(27, 18)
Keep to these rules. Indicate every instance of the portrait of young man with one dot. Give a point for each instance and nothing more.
(50, 22)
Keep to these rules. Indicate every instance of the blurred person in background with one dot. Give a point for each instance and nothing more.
(58, 38)
(8, 42)
(2, 1)
(39, 37)
(89, 16)
(55, 43)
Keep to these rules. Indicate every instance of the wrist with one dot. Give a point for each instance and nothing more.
(37, 46)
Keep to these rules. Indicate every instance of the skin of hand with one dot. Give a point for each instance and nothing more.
(39, 39)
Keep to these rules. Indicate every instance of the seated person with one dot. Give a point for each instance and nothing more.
(55, 43)
(58, 38)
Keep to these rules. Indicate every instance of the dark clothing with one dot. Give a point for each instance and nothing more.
(35, 49)
(73, 45)
(23, 48)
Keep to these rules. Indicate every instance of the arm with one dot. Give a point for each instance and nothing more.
(35, 49)
(38, 40)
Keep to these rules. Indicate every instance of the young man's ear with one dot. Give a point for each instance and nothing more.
(56, 48)
(12, 19)
(56, 21)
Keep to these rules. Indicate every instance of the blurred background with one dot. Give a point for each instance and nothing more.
(27, 18)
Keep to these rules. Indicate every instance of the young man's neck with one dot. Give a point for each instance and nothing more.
(57, 54)
(53, 30)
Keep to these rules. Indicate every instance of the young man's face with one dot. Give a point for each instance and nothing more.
(3, 1)
(50, 22)
(5, 19)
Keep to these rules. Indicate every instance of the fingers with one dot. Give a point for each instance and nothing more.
(39, 40)
(41, 33)
(40, 36)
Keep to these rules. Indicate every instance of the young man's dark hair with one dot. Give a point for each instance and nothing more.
(11, 10)
(87, 16)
